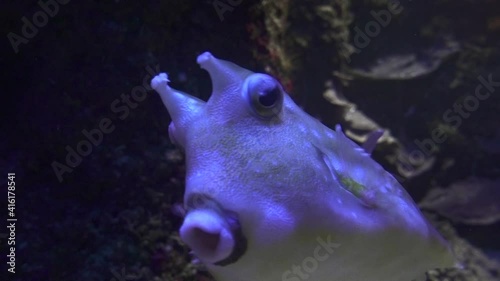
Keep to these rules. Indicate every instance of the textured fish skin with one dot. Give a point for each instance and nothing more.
(273, 194)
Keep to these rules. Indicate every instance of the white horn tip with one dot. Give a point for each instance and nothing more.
(159, 80)
(206, 56)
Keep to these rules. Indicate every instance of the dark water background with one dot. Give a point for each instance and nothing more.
(69, 65)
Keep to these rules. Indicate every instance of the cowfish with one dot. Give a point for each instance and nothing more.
(273, 194)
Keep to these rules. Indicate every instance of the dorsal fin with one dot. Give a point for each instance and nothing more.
(372, 140)
(356, 171)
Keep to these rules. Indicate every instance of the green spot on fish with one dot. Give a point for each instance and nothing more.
(352, 186)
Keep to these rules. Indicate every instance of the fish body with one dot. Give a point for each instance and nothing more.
(273, 194)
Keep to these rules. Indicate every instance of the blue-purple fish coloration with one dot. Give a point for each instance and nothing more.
(273, 194)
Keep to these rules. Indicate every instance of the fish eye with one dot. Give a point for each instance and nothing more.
(264, 95)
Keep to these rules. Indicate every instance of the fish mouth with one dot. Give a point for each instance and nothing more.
(213, 233)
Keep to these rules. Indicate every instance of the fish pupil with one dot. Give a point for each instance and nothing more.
(269, 98)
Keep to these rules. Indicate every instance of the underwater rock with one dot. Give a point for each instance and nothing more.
(472, 201)
(403, 66)
(474, 264)
(357, 125)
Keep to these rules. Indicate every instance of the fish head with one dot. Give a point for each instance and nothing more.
(273, 194)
